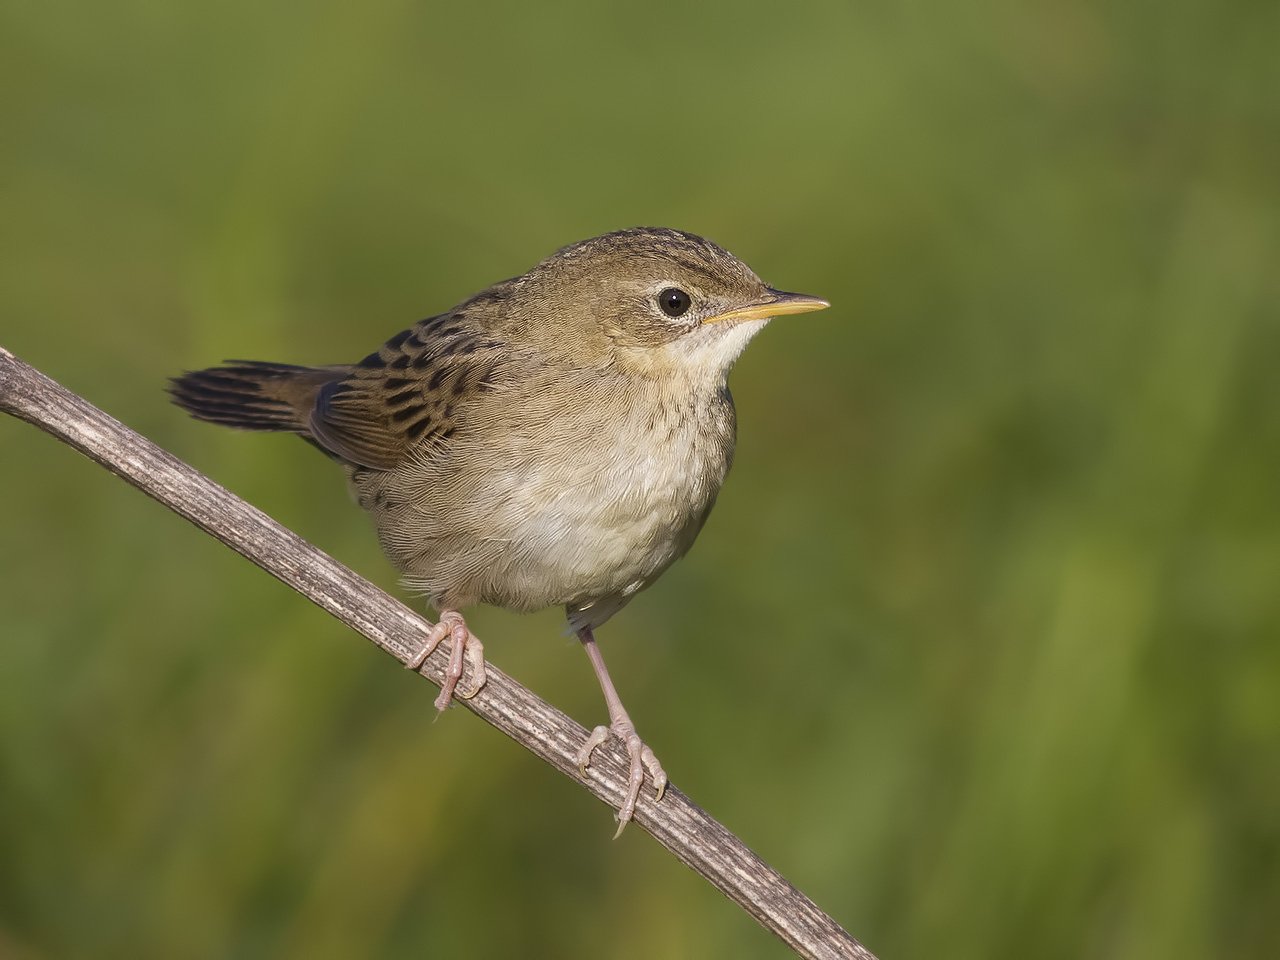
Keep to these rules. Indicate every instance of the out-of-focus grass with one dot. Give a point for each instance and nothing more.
(1011, 502)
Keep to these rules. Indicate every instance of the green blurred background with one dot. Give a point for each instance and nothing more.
(980, 646)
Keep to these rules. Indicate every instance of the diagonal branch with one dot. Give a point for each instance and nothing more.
(677, 823)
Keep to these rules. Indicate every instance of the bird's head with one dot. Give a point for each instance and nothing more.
(652, 301)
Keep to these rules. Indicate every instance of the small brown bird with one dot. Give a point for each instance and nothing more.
(557, 439)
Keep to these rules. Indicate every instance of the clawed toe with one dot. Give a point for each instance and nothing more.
(598, 736)
(641, 758)
(475, 657)
(464, 648)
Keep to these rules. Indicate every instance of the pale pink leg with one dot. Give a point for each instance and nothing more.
(620, 725)
(464, 646)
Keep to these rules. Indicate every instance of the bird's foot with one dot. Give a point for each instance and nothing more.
(463, 646)
(642, 758)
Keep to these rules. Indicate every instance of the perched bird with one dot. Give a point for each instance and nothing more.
(556, 440)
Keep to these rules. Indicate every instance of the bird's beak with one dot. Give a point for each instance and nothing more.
(774, 304)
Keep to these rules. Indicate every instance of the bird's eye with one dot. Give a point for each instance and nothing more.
(674, 302)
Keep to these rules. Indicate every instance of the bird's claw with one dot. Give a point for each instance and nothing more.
(641, 758)
(464, 648)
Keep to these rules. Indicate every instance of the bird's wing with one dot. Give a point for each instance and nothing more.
(409, 392)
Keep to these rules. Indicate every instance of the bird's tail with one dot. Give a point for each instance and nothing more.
(252, 395)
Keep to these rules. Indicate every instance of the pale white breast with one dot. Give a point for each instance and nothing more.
(604, 523)
(573, 491)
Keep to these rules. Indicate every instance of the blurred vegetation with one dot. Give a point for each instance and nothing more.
(980, 647)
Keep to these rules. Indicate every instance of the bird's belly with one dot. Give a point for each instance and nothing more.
(586, 521)
(609, 536)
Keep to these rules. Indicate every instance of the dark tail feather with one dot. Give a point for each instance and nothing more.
(253, 395)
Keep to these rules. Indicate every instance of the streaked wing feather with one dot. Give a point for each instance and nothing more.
(409, 393)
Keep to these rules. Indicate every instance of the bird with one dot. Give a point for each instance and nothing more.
(557, 439)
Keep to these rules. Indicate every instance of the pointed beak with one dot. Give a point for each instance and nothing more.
(774, 304)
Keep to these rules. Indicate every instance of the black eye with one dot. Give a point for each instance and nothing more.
(674, 302)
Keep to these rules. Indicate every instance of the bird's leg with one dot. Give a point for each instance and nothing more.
(464, 645)
(620, 725)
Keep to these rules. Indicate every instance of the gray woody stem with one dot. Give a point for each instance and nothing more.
(683, 828)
